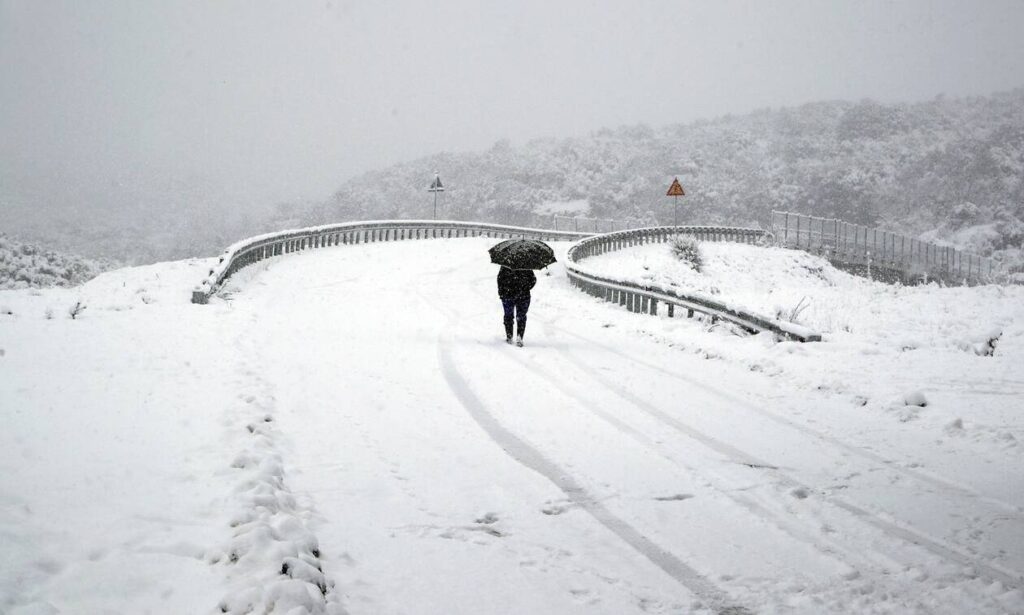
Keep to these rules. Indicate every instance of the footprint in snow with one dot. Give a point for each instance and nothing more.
(554, 509)
(487, 518)
(674, 498)
(486, 529)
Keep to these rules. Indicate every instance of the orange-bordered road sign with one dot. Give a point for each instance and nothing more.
(676, 189)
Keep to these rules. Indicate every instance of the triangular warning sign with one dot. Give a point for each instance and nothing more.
(676, 189)
(435, 186)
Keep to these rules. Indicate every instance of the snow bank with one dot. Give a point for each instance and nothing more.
(960, 347)
(799, 287)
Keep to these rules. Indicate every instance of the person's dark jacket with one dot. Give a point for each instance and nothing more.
(515, 283)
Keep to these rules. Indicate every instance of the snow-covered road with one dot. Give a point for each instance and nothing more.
(347, 432)
(590, 471)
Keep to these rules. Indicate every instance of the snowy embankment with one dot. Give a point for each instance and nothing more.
(140, 468)
(885, 344)
(344, 430)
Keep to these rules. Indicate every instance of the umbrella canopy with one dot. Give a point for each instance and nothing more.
(522, 254)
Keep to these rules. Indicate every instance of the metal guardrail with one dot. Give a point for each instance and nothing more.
(880, 254)
(255, 249)
(635, 297)
(646, 298)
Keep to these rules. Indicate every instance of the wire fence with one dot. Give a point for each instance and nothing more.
(860, 246)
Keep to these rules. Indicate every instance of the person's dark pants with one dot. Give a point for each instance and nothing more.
(516, 307)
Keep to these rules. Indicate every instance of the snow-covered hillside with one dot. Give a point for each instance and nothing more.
(946, 170)
(934, 169)
(344, 431)
(24, 265)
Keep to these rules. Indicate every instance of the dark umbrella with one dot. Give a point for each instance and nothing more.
(522, 254)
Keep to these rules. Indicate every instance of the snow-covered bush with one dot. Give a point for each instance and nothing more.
(25, 265)
(687, 249)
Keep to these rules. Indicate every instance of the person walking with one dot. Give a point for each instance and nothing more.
(514, 287)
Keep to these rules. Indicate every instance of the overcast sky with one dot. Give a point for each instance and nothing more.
(255, 102)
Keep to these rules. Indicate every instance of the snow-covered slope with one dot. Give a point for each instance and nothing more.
(347, 432)
(798, 286)
(883, 342)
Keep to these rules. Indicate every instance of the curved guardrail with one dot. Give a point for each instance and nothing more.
(645, 299)
(255, 249)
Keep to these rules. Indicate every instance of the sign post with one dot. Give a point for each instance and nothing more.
(435, 187)
(675, 190)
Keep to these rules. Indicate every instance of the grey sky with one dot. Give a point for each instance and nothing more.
(248, 103)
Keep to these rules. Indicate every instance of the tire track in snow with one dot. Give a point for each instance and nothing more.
(826, 548)
(853, 450)
(533, 459)
(935, 546)
(938, 548)
(887, 465)
(530, 457)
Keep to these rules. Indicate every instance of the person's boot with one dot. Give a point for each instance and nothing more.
(508, 331)
(519, 341)
(520, 332)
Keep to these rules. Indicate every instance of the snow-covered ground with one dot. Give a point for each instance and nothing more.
(346, 432)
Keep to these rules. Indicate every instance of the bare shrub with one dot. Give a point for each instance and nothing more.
(76, 310)
(792, 315)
